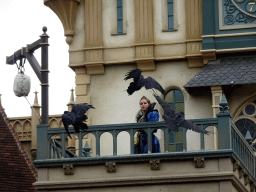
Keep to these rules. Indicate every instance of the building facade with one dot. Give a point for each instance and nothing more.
(198, 50)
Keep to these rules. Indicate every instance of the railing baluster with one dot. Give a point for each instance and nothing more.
(166, 140)
(63, 147)
(149, 133)
(184, 139)
(202, 139)
(132, 141)
(97, 143)
(80, 144)
(114, 142)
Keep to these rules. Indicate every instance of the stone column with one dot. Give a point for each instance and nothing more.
(35, 120)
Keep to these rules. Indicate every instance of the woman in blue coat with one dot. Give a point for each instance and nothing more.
(147, 113)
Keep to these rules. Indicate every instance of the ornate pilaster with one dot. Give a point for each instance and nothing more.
(216, 98)
(35, 120)
(194, 32)
(93, 37)
(66, 11)
(144, 36)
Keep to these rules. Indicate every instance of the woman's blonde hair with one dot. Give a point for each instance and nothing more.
(143, 97)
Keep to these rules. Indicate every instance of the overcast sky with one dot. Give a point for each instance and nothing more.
(21, 24)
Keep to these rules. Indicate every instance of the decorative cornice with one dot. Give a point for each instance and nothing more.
(133, 181)
(229, 35)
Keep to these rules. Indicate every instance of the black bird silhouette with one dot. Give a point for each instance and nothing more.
(139, 81)
(175, 120)
(75, 117)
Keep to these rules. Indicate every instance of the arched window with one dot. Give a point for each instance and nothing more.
(245, 118)
(176, 139)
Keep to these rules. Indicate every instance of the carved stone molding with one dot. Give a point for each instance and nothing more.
(241, 173)
(199, 162)
(247, 180)
(236, 166)
(252, 187)
(68, 169)
(66, 11)
(155, 164)
(111, 167)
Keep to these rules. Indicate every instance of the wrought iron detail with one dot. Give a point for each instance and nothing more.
(233, 16)
(111, 167)
(155, 164)
(86, 150)
(223, 106)
(68, 169)
(199, 162)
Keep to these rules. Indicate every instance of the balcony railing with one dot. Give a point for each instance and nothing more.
(229, 138)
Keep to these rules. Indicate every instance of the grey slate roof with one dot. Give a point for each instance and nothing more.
(226, 71)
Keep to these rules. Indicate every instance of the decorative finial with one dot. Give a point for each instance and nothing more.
(44, 29)
(86, 150)
(36, 99)
(248, 137)
(72, 95)
(223, 106)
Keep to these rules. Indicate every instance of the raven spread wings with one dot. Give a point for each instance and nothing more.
(175, 120)
(76, 117)
(139, 81)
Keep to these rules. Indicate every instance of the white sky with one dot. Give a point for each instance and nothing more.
(21, 24)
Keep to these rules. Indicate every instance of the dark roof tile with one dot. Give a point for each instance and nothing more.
(16, 171)
(226, 71)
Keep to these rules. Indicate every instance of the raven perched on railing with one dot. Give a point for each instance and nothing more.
(139, 81)
(76, 117)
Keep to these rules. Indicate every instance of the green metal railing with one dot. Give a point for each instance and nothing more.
(229, 138)
(242, 149)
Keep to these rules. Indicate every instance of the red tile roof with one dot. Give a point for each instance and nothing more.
(16, 171)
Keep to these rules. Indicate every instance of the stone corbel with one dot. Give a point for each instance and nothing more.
(208, 55)
(111, 167)
(236, 165)
(145, 57)
(33, 153)
(199, 162)
(68, 169)
(66, 11)
(155, 164)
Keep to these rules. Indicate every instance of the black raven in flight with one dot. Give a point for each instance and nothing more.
(175, 120)
(76, 117)
(139, 82)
